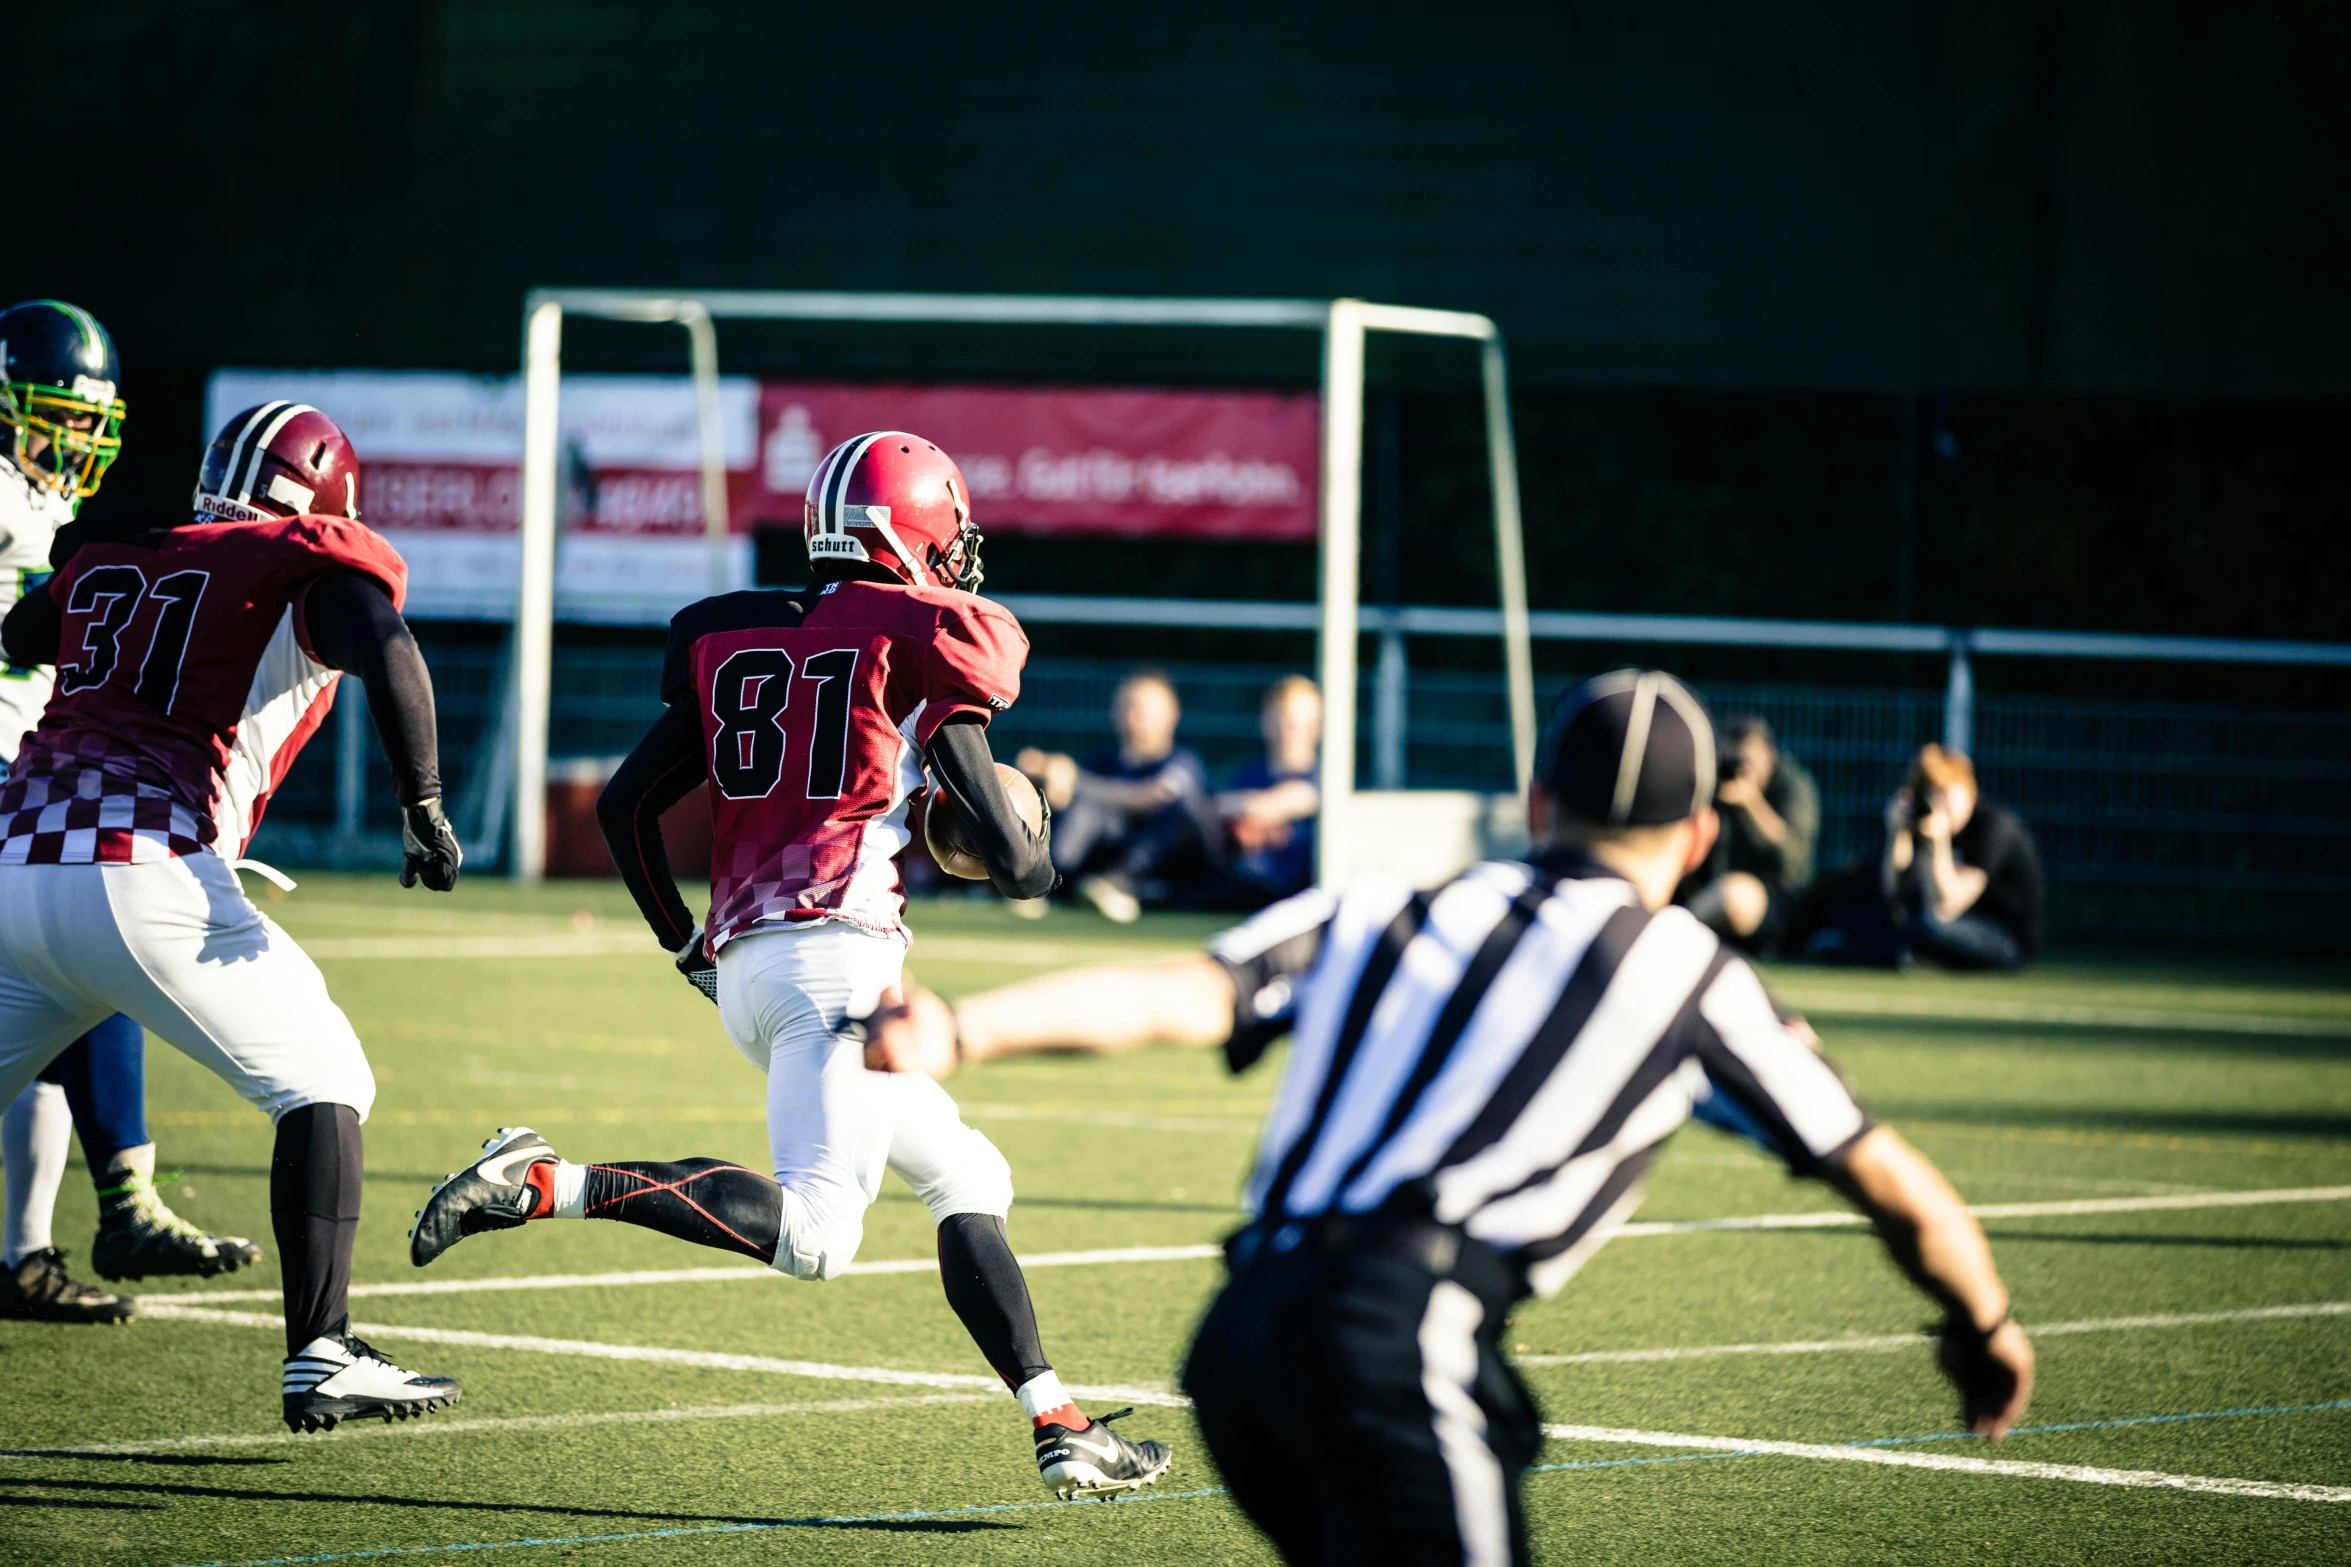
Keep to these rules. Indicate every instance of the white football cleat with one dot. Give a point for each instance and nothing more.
(336, 1377)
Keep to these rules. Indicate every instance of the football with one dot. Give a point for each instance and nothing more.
(944, 834)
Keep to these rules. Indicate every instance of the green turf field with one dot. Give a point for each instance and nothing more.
(2083, 1086)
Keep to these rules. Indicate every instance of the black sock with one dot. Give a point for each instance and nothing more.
(986, 1288)
(706, 1201)
(314, 1179)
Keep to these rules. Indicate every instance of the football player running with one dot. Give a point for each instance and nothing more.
(59, 402)
(192, 663)
(811, 717)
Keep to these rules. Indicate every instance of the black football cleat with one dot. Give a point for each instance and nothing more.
(336, 1377)
(140, 1237)
(488, 1194)
(38, 1289)
(1097, 1461)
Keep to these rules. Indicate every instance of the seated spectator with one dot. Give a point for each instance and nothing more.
(1959, 882)
(1265, 816)
(1128, 821)
(1770, 810)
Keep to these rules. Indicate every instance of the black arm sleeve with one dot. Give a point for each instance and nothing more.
(353, 627)
(1019, 862)
(29, 634)
(667, 765)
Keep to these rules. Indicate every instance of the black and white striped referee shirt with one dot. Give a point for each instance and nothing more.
(1507, 1053)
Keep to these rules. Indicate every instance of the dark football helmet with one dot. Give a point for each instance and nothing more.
(61, 376)
(279, 459)
(897, 501)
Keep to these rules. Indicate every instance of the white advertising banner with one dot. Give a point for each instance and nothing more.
(441, 463)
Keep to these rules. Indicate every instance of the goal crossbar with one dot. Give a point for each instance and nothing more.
(1343, 324)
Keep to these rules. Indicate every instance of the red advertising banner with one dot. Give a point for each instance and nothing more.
(1207, 465)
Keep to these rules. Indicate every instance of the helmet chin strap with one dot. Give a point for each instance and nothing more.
(914, 573)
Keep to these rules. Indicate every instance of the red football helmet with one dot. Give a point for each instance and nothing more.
(278, 460)
(899, 502)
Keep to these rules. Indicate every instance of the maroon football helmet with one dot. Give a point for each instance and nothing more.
(897, 501)
(280, 459)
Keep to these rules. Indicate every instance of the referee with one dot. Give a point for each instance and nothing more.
(1478, 1078)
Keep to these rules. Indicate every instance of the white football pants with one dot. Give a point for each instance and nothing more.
(176, 946)
(833, 1126)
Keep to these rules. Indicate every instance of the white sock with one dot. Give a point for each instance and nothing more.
(1041, 1395)
(36, 1138)
(571, 1190)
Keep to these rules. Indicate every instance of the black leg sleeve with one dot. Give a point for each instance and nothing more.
(706, 1201)
(314, 1179)
(986, 1288)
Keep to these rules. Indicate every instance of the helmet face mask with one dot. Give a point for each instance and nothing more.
(58, 384)
(895, 501)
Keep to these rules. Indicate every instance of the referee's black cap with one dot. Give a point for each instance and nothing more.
(1631, 748)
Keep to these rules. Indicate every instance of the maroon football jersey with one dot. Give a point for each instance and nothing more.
(185, 688)
(815, 710)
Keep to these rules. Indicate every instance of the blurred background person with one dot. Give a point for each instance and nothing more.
(1959, 881)
(1264, 819)
(1127, 823)
(1762, 863)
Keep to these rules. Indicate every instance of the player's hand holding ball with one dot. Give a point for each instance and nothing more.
(429, 851)
(948, 837)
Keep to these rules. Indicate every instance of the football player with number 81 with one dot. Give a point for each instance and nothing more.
(811, 717)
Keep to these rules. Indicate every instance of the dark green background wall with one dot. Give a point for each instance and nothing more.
(2001, 311)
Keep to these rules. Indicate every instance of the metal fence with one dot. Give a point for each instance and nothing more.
(2156, 821)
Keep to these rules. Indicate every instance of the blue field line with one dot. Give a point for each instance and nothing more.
(856, 1520)
(2110, 1425)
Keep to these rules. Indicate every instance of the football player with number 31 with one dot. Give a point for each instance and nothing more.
(811, 717)
(192, 663)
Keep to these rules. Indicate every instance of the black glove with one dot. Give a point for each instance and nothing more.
(1985, 1382)
(429, 850)
(694, 961)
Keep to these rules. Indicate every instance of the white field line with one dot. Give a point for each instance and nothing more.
(2144, 1479)
(705, 1359)
(623, 943)
(1117, 1118)
(2038, 1330)
(1827, 1219)
(559, 1281)
(1056, 954)
(440, 1427)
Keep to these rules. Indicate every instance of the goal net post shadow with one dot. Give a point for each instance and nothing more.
(1343, 324)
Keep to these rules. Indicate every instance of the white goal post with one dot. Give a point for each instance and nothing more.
(1343, 324)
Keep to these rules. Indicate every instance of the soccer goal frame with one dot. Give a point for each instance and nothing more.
(1343, 324)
